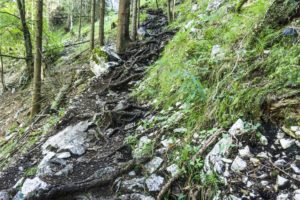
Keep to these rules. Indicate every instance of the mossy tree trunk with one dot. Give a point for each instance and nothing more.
(2, 71)
(123, 26)
(93, 11)
(101, 22)
(36, 94)
(169, 10)
(27, 38)
(80, 20)
(134, 19)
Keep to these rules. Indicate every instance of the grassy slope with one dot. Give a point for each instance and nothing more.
(246, 82)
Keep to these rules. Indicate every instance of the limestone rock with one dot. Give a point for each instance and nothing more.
(238, 164)
(245, 153)
(297, 194)
(154, 164)
(173, 169)
(133, 185)
(4, 195)
(33, 185)
(154, 183)
(286, 143)
(281, 182)
(237, 128)
(282, 196)
(135, 196)
(71, 138)
(214, 5)
(213, 160)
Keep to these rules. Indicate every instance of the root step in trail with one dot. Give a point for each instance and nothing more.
(87, 151)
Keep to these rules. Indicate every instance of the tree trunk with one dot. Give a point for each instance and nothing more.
(123, 26)
(27, 38)
(93, 11)
(2, 72)
(36, 95)
(134, 19)
(169, 11)
(80, 20)
(139, 13)
(173, 10)
(157, 6)
(101, 22)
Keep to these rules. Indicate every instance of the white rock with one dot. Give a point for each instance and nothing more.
(154, 164)
(135, 196)
(286, 143)
(217, 52)
(280, 163)
(255, 161)
(264, 183)
(237, 128)
(133, 185)
(295, 128)
(132, 173)
(154, 183)
(173, 169)
(71, 138)
(298, 143)
(238, 164)
(213, 160)
(63, 155)
(263, 140)
(249, 184)
(214, 5)
(194, 7)
(180, 130)
(168, 143)
(296, 166)
(297, 194)
(44, 166)
(4, 195)
(281, 181)
(33, 185)
(297, 157)
(280, 134)
(19, 183)
(225, 160)
(282, 196)
(245, 153)
(262, 155)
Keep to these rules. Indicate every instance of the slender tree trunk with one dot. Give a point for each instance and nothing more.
(123, 26)
(80, 20)
(27, 38)
(139, 12)
(173, 9)
(2, 72)
(93, 11)
(169, 11)
(157, 6)
(134, 19)
(101, 22)
(36, 95)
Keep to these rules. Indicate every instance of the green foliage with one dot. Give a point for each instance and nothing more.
(223, 90)
(30, 171)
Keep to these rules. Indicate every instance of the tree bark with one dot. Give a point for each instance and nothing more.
(80, 20)
(139, 13)
(173, 10)
(36, 95)
(27, 38)
(169, 11)
(157, 6)
(93, 11)
(101, 22)
(2, 72)
(134, 19)
(123, 26)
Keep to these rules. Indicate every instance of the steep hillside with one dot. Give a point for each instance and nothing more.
(207, 107)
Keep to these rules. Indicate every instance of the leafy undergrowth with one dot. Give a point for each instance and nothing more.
(240, 80)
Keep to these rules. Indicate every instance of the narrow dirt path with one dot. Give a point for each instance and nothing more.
(111, 114)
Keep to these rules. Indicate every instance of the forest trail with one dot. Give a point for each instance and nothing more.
(99, 120)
